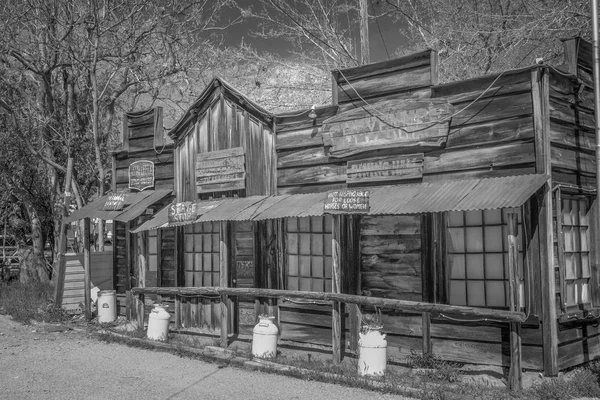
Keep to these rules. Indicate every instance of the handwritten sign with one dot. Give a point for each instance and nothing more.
(410, 124)
(222, 170)
(347, 202)
(141, 175)
(183, 212)
(389, 168)
(114, 202)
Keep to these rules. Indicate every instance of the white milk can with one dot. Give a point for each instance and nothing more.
(264, 338)
(158, 324)
(107, 306)
(372, 353)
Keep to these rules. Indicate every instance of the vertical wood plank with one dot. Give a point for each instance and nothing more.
(515, 382)
(351, 279)
(86, 269)
(225, 247)
(139, 306)
(426, 327)
(541, 120)
(177, 306)
(336, 315)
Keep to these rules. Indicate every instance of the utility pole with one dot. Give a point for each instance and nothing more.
(365, 57)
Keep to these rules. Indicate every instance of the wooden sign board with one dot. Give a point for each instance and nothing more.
(411, 124)
(390, 168)
(350, 201)
(222, 170)
(183, 212)
(114, 202)
(141, 175)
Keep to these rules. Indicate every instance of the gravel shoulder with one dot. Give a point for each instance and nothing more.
(68, 362)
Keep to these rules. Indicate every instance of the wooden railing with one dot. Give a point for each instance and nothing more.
(427, 310)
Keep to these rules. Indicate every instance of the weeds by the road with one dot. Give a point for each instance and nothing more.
(27, 302)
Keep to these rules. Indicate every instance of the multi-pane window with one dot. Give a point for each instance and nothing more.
(201, 254)
(477, 249)
(308, 250)
(575, 224)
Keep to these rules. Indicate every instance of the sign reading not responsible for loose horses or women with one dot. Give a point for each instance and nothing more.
(350, 201)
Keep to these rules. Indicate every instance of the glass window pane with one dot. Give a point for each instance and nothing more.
(494, 267)
(473, 218)
(197, 279)
(198, 242)
(317, 267)
(292, 243)
(583, 292)
(304, 243)
(316, 224)
(206, 243)
(456, 240)
(457, 266)
(327, 239)
(152, 263)
(304, 224)
(328, 286)
(197, 262)
(328, 267)
(292, 283)
(304, 266)
(566, 212)
(475, 266)
(189, 278)
(458, 293)
(583, 213)
(188, 228)
(216, 242)
(568, 238)
(475, 293)
(207, 279)
(316, 245)
(492, 217)
(570, 266)
(292, 225)
(495, 293)
(455, 218)
(304, 284)
(570, 295)
(584, 238)
(152, 245)
(188, 243)
(293, 265)
(328, 224)
(474, 239)
(206, 261)
(216, 279)
(493, 238)
(188, 261)
(215, 267)
(585, 266)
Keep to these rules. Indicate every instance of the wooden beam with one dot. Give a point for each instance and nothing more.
(336, 313)
(426, 328)
(86, 270)
(225, 246)
(541, 119)
(515, 377)
(478, 313)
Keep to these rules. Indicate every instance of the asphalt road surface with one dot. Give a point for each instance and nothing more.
(42, 362)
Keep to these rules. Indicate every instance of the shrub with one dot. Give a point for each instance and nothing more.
(26, 302)
(580, 383)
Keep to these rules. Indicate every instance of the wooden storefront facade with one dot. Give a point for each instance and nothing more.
(392, 125)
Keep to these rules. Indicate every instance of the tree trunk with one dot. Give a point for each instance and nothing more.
(32, 260)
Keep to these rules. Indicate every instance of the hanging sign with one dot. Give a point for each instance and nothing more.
(141, 175)
(389, 168)
(222, 170)
(183, 212)
(114, 202)
(350, 201)
(410, 124)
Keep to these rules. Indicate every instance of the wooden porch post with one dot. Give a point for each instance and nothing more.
(541, 120)
(86, 269)
(515, 379)
(337, 309)
(225, 246)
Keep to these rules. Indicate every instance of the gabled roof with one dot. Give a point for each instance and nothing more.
(229, 92)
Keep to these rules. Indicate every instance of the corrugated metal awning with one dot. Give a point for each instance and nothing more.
(427, 197)
(135, 204)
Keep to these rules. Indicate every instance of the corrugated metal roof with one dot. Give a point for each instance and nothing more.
(459, 195)
(135, 204)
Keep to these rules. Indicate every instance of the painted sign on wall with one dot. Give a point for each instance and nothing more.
(351, 201)
(141, 175)
(222, 170)
(411, 124)
(389, 168)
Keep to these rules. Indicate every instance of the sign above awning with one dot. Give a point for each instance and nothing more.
(426, 197)
(131, 206)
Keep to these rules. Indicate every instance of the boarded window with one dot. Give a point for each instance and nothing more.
(477, 250)
(308, 250)
(575, 242)
(201, 254)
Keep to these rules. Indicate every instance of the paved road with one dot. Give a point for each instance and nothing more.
(37, 363)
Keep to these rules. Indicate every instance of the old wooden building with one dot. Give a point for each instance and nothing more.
(470, 204)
